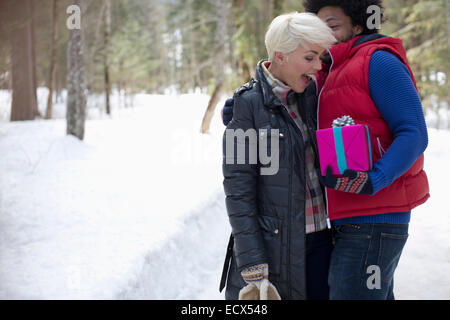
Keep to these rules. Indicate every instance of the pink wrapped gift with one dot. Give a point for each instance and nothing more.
(344, 148)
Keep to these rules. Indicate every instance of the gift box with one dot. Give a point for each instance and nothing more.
(344, 148)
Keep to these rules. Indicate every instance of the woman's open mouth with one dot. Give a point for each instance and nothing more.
(306, 78)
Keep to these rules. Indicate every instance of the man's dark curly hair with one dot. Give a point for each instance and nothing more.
(355, 9)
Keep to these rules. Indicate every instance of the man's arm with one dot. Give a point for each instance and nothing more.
(396, 98)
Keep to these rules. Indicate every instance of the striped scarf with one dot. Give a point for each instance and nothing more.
(316, 214)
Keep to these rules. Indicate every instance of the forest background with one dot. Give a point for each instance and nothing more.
(178, 46)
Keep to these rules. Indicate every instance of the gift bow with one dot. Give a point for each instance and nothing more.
(343, 122)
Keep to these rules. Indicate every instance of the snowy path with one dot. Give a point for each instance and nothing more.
(79, 220)
(186, 266)
(137, 210)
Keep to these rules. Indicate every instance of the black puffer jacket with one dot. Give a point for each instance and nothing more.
(267, 212)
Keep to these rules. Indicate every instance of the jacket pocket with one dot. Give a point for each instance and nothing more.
(391, 247)
(377, 149)
(271, 231)
(355, 231)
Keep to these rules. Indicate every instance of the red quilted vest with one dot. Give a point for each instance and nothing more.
(345, 91)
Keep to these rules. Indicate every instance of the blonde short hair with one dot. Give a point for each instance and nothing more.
(288, 31)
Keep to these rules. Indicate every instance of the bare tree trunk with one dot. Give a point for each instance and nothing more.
(51, 81)
(97, 44)
(24, 104)
(233, 58)
(120, 88)
(244, 69)
(193, 70)
(267, 13)
(159, 25)
(36, 111)
(222, 9)
(211, 107)
(76, 98)
(448, 21)
(107, 26)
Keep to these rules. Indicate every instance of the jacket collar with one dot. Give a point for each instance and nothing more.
(269, 98)
(345, 50)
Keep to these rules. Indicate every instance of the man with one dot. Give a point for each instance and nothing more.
(369, 79)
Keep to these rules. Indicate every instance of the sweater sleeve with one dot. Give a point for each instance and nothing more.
(396, 98)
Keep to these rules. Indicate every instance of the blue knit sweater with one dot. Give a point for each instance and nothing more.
(397, 100)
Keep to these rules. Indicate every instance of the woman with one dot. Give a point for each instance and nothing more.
(279, 230)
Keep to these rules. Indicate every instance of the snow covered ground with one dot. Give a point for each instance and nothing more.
(136, 211)
(91, 219)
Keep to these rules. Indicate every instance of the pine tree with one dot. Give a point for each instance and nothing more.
(423, 25)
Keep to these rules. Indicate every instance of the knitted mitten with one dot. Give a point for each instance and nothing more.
(268, 291)
(352, 182)
(258, 285)
(256, 274)
(253, 276)
(249, 292)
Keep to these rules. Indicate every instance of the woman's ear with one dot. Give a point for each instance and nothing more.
(279, 58)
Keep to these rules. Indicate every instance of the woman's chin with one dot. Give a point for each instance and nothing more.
(299, 89)
(301, 85)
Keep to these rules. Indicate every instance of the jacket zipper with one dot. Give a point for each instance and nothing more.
(290, 204)
(289, 211)
(318, 127)
(304, 220)
(380, 148)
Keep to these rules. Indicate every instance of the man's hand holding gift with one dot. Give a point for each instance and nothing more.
(357, 179)
(352, 181)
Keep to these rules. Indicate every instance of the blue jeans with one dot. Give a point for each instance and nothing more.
(364, 260)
